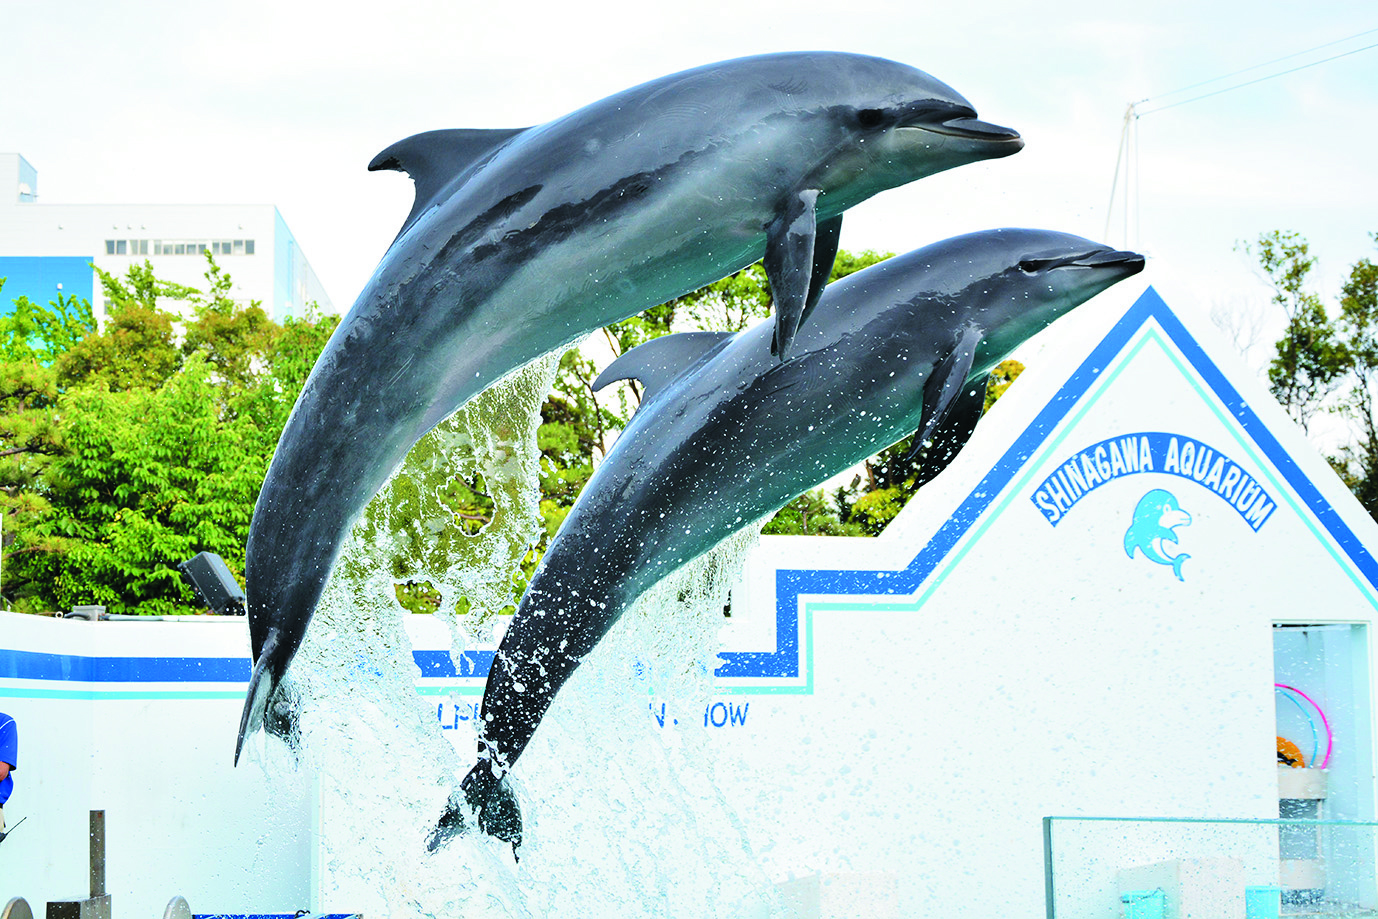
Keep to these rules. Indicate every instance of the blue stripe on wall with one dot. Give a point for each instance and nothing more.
(35, 665)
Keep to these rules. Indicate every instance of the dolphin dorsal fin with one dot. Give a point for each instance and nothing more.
(659, 361)
(433, 158)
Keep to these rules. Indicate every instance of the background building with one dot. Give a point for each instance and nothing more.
(47, 249)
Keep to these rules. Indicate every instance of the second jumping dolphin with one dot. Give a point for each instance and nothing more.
(725, 434)
(524, 240)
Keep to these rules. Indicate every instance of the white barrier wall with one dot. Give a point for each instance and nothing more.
(1007, 650)
(907, 708)
(139, 719)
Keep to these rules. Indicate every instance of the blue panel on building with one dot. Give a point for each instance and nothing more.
(42, 278)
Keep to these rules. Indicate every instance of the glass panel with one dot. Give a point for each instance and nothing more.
(248, 247)
(1101, 867)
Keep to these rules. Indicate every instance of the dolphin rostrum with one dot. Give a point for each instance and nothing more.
(726, 434)
(524, 240)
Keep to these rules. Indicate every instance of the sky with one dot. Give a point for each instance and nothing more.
(286, 102)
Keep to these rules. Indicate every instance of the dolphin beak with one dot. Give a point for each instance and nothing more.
(975, 129)
(1130, 262)
(958, 120)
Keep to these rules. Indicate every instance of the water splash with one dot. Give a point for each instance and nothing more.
(413, 531)
(623, 816)
(602, 775)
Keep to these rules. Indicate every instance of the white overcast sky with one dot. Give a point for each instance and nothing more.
(285, 103)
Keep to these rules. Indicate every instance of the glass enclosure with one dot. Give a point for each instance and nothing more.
(1151, 868)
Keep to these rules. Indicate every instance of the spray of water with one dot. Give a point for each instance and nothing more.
(623, 812)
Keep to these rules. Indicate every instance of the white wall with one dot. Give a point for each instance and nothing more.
(156, 756)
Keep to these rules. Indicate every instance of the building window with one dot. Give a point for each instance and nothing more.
(127, 247)
(197, 247)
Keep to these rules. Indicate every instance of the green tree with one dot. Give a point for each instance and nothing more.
(148, 477)
(1357, 463)
(1316, 358)
(1310, 361)
(31, 332)
(32, 338)
(150, 438)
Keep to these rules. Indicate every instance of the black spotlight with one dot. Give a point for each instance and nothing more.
(213, 584)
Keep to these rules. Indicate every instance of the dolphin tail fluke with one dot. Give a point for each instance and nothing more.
(261, 685)
(453, 822)
(483, 799)
(1177, 561)
(270, 703)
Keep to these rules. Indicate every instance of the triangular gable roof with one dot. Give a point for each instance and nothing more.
(800, 592)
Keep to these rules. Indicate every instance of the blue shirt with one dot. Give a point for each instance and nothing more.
(9, 753)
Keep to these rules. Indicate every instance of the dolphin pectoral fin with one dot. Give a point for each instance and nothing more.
(434, 158)
(659, 361)
(951, 406)
(950, 434)
(825, 241)
(789, 263)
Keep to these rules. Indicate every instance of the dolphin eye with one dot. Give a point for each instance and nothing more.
(870, 117)
(1029, 266)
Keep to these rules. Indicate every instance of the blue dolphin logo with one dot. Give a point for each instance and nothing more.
(1156, 518)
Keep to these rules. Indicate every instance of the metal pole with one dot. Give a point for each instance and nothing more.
(97, 854)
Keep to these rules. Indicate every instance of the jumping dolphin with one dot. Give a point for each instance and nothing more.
(524, 240)
(726, 434)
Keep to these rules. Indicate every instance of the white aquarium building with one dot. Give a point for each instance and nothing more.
(1061, 684)
(48, 249)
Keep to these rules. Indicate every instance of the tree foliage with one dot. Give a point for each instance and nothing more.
(1321, 364)
(1310, 360)
(1357, 462)
(128, 448)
